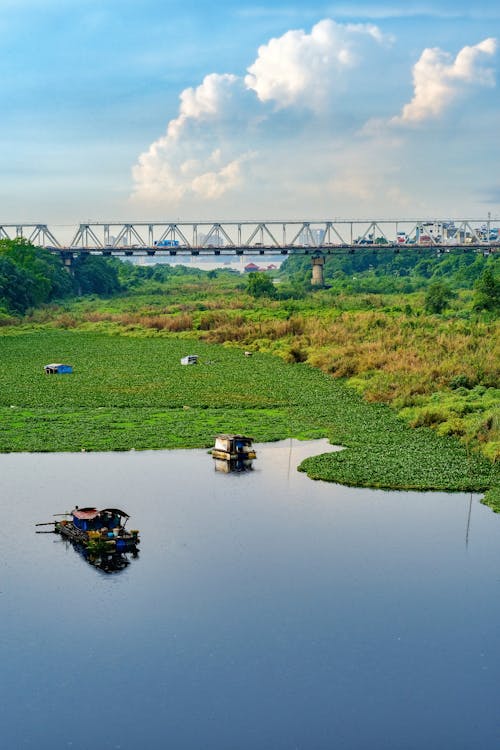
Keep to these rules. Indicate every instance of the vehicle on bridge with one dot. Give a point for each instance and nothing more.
(167, 243)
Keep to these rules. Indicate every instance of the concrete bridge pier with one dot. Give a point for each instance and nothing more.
(67, 260)
(318, 261)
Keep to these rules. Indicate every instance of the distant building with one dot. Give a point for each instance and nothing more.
(251, 267)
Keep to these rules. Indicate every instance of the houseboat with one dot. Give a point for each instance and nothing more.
(233, 447)
(99, 530)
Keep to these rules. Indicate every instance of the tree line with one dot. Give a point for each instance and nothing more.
(31, 276)
(378, 270)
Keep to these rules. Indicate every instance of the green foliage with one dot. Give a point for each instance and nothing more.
(96, 275)
(15, 286)
(437, 297)
(487, 292)
(376, 269)
(260, 285)
(30, 276)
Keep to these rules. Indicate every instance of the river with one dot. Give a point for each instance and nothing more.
(264, 611)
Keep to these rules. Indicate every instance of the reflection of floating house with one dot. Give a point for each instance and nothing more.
(107, 562)
(238, 464)
(191, 359)
(57, 369)
(233, 447)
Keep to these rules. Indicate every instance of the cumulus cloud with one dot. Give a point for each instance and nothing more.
(290, 131)
(211, 98)
(301, 68)
(189, 159)
(201, 153)
(439, 80)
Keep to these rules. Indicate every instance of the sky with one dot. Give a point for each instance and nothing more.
(120, 110)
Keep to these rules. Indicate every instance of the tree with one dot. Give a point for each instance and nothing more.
(260, 285)
(97, 275)
(30, 276)
(437, 297)
(487, 292)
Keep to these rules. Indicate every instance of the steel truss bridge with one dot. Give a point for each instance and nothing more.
(255, 237)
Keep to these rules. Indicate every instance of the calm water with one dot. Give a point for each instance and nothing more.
(264, 611)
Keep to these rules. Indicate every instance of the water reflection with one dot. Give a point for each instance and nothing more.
(233, 465)
(106, 562)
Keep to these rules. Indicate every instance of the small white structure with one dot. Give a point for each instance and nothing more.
(57, 369)
(191, 359)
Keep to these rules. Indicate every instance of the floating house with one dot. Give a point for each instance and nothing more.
(191, 359)
(233, 447)
(99, 536)
(58, 369)
(99, 530)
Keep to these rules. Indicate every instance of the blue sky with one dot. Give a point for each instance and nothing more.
(181, 110)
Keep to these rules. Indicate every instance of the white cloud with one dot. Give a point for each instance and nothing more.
(289, 135)
(214, 184)
(301, 68)
(196, 156)
(439, 80)
(211, 98)
(223, 122)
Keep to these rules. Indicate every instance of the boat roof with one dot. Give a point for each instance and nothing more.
(234, 437)
(87, 514)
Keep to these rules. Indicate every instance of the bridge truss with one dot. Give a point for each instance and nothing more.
(254, 237)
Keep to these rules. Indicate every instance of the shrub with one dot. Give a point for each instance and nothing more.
(437, 297)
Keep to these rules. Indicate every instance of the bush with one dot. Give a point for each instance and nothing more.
(487, 292)
(260, 285)
(437, 297)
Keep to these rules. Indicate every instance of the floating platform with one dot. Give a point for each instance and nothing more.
(233, 448)
(99, 530)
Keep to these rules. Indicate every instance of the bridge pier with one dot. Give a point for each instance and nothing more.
(68, 262)
(318, 261)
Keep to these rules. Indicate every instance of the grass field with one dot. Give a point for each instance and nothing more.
(131, 392)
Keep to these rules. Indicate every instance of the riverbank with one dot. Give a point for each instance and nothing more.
(132, 393)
